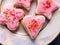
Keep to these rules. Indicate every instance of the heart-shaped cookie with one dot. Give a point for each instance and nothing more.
(33, 24)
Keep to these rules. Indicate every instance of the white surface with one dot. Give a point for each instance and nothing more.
(52, 27)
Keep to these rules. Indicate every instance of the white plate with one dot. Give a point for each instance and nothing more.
(47, 35)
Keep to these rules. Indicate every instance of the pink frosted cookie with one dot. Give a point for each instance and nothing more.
(23, 3)
(11, 17)
(46, 7)
(33, 24)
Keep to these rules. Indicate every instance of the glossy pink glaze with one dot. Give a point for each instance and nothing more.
(24, 3)
(48, 10)
(40, 20)
(11, 17)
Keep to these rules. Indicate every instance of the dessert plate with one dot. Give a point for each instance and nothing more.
(47, 35)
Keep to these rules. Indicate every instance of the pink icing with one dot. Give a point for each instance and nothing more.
(46, 7)
(37, 21)
(24, 3)
(11, 17)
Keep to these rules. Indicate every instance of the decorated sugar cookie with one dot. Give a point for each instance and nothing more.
(11, 17)
(46, 7)
(33, 24)
(23, 3)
